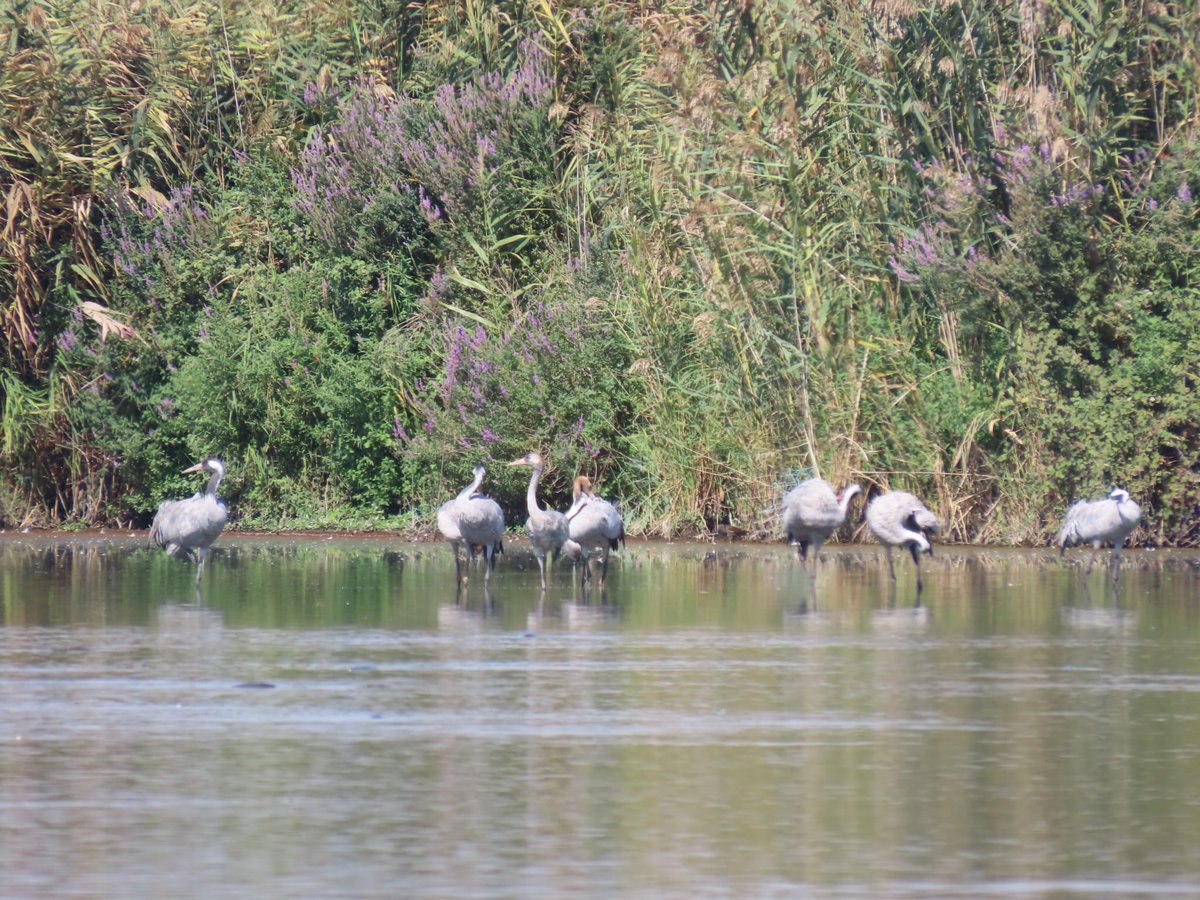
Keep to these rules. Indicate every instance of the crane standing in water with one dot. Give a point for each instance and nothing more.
(898, 519)
(186, 526)
(549, 531)
(812, 512)
(473, 519)
(1096, 522)
(593, 520)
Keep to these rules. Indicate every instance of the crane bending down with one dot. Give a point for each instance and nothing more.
(472, 519)
(812, 512)
(184, 526)
(593, 520)
(1107, 521)
(898, 519)
(549, 531)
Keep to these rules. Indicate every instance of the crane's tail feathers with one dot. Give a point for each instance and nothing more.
(1067, 537)
(156, 535)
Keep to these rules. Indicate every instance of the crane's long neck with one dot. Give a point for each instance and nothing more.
(465, 493)
(916, 537)
(531, 495)
(213, 482)
(846, 497)
(1123, 504)
(912, 531)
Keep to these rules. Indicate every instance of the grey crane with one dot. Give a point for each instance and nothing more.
(187, 527)
(549, 531)
(594, 521)
(898, 519)
(472, 519)
(812, 512)
(1096, 522)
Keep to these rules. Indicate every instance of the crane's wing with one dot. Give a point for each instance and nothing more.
(481, 519)
(180, 525)
(811, 506)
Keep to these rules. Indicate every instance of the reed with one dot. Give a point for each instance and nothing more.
(946, 247)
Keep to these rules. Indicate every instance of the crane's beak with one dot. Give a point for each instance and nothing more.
(198, 467)
(518, 462)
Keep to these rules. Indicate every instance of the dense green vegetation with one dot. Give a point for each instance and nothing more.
(695, 250)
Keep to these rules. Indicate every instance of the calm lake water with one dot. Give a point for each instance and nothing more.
(328, 718)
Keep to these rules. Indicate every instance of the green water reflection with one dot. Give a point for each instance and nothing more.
(714, 723)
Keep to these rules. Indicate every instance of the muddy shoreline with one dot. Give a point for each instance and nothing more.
(719, 550)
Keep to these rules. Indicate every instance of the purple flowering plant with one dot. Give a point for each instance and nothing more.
(147, 237)
(427, 158)
(1018, 237)
(537, 382)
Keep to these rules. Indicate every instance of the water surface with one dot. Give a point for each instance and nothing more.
(330, 717)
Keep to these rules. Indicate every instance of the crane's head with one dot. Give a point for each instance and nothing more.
(209, 466)
(1120, 495)
(533, 459)
(479, 472)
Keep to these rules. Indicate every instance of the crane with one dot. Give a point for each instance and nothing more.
(186, 528)
(473, 519)
(898, 519)
(1096, 522)
(593, 520)
(549, 531)
(812, 512)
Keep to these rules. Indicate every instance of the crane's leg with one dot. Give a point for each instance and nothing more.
(489, 561)
(458, 569)
(604, 564)
(541, 558)
(891, 567)
(585, 573)
(203, 555)
(917, 560)
(816, 554)
(1114, 564)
